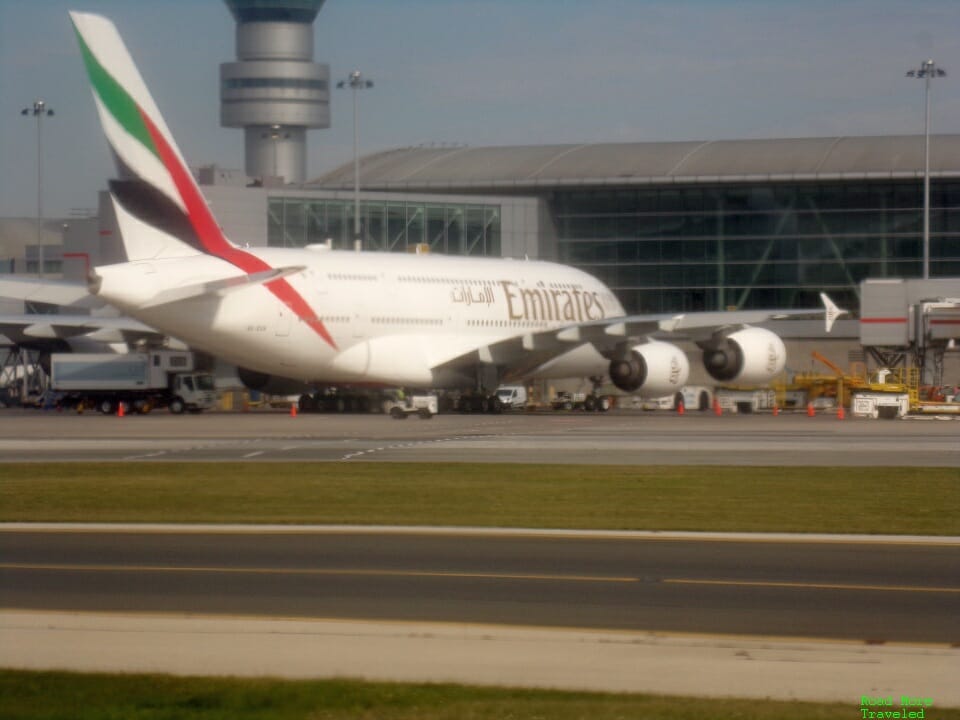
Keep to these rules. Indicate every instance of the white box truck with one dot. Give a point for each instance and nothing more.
(141, 381)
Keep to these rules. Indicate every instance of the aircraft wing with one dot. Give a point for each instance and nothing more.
(523, 354)
(28, 328)
(53, 292)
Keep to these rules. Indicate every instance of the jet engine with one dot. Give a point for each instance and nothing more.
(656, 368)
(270, 384)
(750, 356)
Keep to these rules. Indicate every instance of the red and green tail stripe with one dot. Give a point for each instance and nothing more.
(138, 124)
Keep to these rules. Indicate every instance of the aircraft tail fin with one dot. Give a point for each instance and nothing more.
(831, 311)
(158, 187)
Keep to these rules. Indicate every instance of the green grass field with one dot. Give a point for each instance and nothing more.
(751, 499)
(63, 696)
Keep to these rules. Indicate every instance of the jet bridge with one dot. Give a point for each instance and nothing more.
(911, 323)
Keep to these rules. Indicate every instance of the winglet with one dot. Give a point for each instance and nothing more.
(831, 311)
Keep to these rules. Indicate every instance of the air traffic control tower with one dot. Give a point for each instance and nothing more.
(275, 91)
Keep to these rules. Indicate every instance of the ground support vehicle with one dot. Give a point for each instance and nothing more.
(512, 397)
(581, 401)
(740, 400)
(140, 381)
(400, 408)
(938, 400)
(889, 405)
(881, 393)
(693, 397)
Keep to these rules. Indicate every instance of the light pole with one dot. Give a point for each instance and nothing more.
(355, 82)
(927, 70)
(38, 110)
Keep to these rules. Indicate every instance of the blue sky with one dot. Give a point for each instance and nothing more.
(491, 72)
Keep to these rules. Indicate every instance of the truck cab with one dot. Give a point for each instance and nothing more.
(192, 391)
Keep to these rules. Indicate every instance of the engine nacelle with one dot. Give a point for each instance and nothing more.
(655, 368)
(750, 356)
(270, 384)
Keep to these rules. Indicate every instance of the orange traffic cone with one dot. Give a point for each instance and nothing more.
(293, 409)
(120, 412)
(717, 410)
(840, 413)
(680, 409)
(776, 410)
(810, 411)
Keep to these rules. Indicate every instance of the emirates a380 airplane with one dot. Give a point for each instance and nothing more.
(340, 317)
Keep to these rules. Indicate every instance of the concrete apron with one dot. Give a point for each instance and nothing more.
(638, 662)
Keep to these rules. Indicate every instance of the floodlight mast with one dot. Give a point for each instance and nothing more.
(39, 110)
(927, 70)
(355, 82)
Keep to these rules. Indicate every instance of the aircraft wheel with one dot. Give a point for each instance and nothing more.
(704, 402)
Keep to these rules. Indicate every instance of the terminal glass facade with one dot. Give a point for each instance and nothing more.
(688, 248)
(391, 226)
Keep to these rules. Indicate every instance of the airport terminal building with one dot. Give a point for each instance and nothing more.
(670, 227)
(678, 226)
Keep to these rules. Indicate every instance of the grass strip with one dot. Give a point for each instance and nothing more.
(751, 499)
(56, 695)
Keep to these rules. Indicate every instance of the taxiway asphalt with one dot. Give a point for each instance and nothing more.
(614, 438)
(718, 586)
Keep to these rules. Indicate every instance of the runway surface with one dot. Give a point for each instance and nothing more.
(838, 590)
(614, 438)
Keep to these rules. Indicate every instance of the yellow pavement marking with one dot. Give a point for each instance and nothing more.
(318, 571)
(455, 574)
(812, 585)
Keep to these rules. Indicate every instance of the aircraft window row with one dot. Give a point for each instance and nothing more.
(508, 323)
(444, 280)
(335, 318)
(348, 276)
(566, 286)
(406, 321)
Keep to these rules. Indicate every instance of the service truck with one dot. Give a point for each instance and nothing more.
(512, 397)
(141, 381)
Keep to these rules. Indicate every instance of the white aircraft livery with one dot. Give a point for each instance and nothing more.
(325, 316)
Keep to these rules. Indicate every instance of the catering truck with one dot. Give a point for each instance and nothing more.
(140, 381)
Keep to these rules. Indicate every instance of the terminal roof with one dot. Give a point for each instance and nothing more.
(719, 161)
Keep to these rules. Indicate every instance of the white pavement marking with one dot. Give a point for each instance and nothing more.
(417, 444)
(673, 664)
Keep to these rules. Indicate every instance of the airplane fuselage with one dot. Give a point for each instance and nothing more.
(387, 318)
